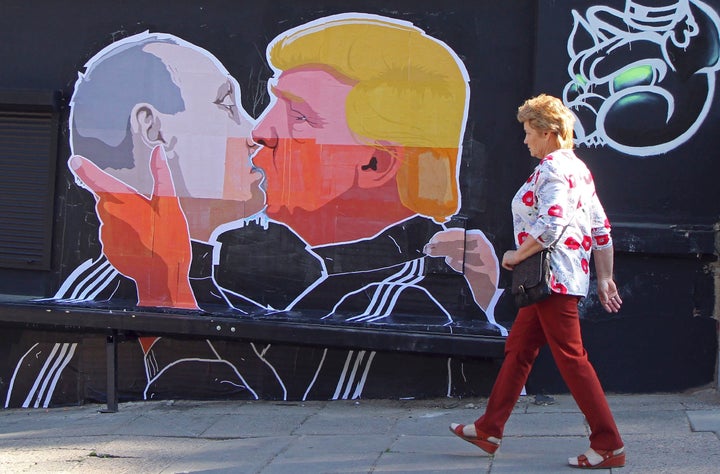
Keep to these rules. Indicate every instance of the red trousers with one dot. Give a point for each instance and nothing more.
(554, 321)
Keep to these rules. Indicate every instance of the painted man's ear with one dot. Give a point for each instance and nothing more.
(145, 122)
(380, 167)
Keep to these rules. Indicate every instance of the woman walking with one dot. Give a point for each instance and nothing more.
(558, 200)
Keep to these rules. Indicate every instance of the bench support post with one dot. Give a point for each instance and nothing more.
(112, 360)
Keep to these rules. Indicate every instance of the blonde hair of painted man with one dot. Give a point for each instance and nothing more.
(409, 90)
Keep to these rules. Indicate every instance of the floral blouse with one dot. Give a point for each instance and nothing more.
(561, 190)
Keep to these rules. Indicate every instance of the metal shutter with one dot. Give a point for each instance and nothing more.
(28, 150)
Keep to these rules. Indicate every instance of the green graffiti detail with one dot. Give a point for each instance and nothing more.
(639, 75)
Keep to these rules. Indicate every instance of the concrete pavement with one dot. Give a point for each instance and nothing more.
(664, 433)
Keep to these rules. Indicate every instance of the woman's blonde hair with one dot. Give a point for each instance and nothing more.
(548, 114)
(409, 89)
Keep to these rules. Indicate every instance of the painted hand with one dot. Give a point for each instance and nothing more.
(470, 253)
(145, 239)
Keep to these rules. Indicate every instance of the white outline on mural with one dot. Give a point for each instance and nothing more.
(662, 26)
(153, 374)
(50, 373)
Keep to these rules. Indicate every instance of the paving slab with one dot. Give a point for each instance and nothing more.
(645, 422)
(330, 454)
(537, 454)
(546, 424)
(704, 420)
(406, 463)
(258, 422)
(234, 455)
(689, 453)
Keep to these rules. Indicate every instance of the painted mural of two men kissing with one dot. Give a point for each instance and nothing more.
(360, 169)
(325, 174)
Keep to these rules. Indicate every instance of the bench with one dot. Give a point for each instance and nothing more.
(121, 323)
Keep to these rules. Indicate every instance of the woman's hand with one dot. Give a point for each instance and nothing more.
(608, 295)
(510, 259)
(529, 247)
(606, 288)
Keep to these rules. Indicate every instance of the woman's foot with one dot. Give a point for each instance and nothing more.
(489, 444)
(599, 459)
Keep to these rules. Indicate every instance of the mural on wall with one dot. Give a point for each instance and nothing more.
(341, 198)
(337, 203)
(642, 79)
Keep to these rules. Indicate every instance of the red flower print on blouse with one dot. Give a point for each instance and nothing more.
(571, 243)
(555, 210)
(528, 198)
(529, 180)
(522, 236)
(588, 178)
(557, 286)
(571, 180)
(585, 265)
(602, 239)
(607, 223)
(587, 242)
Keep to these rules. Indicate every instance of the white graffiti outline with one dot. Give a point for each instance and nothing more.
(45, 382)
(261, 356)
(218, 360)
(656, 25)
(14, 375)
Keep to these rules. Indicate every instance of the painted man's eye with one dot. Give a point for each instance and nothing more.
(298, 114)
(299, 117)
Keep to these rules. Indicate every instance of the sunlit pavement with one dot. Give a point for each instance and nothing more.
(664, 433)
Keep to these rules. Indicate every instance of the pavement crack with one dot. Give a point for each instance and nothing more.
(94, 454)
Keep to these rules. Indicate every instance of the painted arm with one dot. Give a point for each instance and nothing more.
(473, 255)
(145, 239)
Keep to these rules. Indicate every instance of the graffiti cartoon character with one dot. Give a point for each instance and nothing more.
(642, 79)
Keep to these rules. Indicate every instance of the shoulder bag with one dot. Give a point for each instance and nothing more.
(531, 277)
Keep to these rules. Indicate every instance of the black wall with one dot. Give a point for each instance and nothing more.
(664, 208)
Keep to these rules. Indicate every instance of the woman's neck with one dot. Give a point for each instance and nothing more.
(553, 145)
